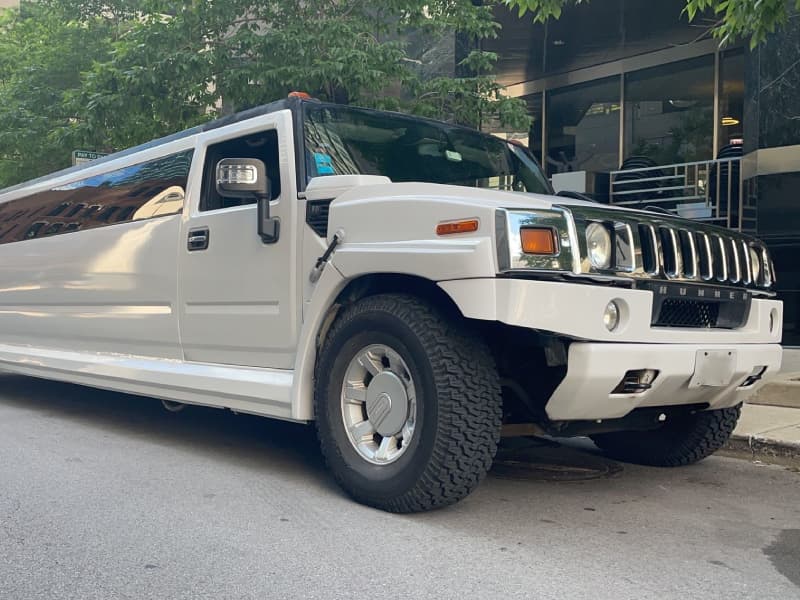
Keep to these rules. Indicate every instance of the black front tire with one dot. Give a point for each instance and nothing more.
(459, 412)
(683, 441)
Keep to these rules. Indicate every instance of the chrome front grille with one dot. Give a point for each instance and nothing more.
(663, 247)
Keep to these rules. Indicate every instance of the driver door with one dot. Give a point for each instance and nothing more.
(237, 296)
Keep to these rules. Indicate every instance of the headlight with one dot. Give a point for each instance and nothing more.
(598, 244)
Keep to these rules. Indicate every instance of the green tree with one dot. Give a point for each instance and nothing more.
(42, 58)
(106, 75)
(475, 98)
(737, 19)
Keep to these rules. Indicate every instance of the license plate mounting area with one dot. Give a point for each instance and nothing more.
(713, 368)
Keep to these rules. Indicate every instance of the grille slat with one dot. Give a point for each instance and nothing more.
(668, 252)
(706, 260)
(719, 259)
(650, 250)
(691, 260)
(735, 264)
(748, 272)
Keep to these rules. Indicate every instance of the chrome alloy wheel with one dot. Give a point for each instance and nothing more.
(379, 404)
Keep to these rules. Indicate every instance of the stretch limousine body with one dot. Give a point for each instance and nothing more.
(410, 285)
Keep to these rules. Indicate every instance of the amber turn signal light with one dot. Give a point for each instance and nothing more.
(465, 226)
(538, 240)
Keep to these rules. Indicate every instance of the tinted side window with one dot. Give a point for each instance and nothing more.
(151, 189)
(262, 145)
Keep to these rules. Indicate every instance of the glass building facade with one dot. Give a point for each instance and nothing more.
(611, 80)
(626, 83)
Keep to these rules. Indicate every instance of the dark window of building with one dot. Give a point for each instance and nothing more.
(58, 209)
(143, 190)
(585, 35)
(589, 34)
(108, 213)
(103, 199)
(34, 230)
(583, 127)
(125, 213)
(75, 210)
(535, 135)
(648, 26)
(731, 99)
(669, 112)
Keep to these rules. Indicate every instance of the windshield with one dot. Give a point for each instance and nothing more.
(341, 140)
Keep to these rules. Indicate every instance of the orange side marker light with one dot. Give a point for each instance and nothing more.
(451, 227)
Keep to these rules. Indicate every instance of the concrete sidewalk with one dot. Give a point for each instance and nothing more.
(769, 428)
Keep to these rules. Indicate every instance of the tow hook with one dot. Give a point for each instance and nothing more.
(316, 272)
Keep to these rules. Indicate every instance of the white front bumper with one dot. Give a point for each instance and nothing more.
(598, 359)
(595, 370)
(575, 310)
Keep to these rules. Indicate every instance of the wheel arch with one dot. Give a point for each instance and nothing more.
(332, 293)
(396, 283)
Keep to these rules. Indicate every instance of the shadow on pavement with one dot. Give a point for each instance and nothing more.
(245, 439)
(257, 442)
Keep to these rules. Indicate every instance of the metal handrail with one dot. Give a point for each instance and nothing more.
(710, 190)
(686, 164)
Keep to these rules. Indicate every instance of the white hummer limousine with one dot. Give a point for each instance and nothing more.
(410, 285)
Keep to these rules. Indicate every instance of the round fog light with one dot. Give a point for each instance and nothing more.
(611, 316)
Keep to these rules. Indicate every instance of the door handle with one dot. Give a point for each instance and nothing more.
(198, 239)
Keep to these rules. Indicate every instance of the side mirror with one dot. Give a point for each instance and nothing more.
(247, 178)
(242, 178)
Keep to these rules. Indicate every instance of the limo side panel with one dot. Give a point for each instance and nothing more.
(110, 289)
(89, 258)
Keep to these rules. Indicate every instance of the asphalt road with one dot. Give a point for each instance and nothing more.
(108, 496)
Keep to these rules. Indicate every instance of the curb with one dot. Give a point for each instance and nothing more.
(764, 449)
(779, 393)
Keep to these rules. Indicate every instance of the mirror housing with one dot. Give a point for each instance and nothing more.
(269, 228)
(246, 178)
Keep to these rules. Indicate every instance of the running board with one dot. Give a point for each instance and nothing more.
(252, 390)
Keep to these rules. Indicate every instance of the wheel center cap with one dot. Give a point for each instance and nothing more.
(387, 403)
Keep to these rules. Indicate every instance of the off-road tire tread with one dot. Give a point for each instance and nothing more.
(470, 405)
(684, 443)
